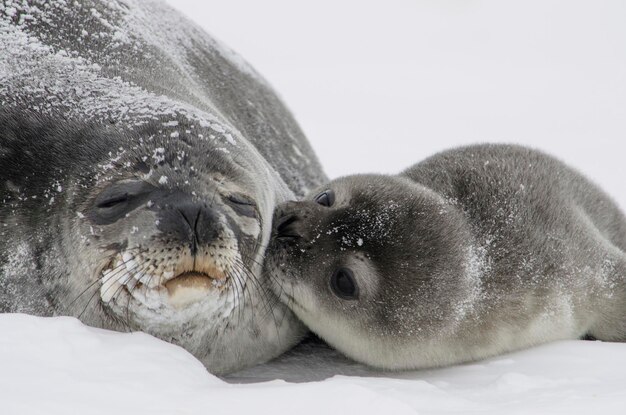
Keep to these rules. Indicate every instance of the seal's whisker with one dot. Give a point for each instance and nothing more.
(243, 268)
(232, 289)
(243, 291)
(116, 274)
(268, 307)
(282, 295)
(237, 294)
(91, 284)
(113, 273)
(145, 266)
(241, 307)
(277, 299)
(260, 287)
(244, 272)
(251, 259)
(252, 278)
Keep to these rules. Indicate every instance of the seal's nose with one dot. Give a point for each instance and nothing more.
(200, 224)
(190, 223)
(286, 229)
(288, 222)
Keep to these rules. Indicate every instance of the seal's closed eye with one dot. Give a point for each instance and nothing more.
(119, 199)
(242, 204)
(113, 200)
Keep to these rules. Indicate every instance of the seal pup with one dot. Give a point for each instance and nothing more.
(471, 253)
(141, 162)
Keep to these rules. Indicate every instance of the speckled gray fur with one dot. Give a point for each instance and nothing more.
(94, 93)
(471, 253)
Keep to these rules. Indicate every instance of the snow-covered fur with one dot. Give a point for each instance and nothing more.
(134, 150)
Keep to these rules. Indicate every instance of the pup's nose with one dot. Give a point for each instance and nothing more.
(286, 229)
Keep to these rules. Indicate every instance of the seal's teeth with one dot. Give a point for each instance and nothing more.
(108, 289)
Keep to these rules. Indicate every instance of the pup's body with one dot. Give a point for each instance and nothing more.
(471, 253)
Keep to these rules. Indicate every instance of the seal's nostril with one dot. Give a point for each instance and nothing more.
(191, 214)
(285, 228)
(187, 222)
(285, 221)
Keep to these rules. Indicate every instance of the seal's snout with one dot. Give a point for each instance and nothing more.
(286, 227)
(191, 223)
(295, 221)
(198, 223)
(288, 222)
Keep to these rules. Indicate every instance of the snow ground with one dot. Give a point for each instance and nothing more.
(59, 366)
(378, 86)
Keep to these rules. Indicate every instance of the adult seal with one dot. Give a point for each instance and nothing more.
(471, 253)
(141, 164)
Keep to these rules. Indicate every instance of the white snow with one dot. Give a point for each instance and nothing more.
(58, 366)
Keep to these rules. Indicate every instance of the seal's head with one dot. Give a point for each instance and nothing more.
(371, 264)
(145, 231)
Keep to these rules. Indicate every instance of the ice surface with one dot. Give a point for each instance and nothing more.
(59, 366)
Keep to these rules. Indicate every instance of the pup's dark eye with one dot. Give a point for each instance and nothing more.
(326, 198)
(344, 285)
(242, 204)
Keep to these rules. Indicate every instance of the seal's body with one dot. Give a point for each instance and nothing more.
(140, 164)
(471, 253)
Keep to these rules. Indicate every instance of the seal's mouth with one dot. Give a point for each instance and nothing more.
(177, 283)
(189, 287)
(189, 279)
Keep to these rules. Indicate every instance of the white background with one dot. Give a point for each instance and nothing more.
(378, 86)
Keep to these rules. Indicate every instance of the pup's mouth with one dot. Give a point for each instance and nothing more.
(178, 284)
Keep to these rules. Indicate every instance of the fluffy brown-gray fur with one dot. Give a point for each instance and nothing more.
(470, 253)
